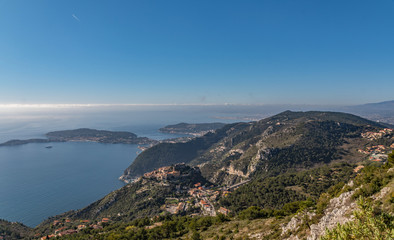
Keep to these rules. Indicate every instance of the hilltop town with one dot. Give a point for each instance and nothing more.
(198, 198)
(192, 195)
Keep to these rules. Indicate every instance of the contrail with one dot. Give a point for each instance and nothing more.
(75, 17)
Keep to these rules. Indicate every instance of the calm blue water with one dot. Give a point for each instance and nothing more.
(36, 182)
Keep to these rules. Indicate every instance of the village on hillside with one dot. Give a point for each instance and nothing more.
(199, 199)
(378, 153)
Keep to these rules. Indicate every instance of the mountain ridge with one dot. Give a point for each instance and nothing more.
(214, 146)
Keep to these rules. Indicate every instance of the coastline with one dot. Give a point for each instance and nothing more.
(85, 135)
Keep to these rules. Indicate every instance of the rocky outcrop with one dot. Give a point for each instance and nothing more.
(294, 224)
(339, 211)
(380, 195)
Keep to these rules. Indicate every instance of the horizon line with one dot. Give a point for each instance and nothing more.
(77, 105)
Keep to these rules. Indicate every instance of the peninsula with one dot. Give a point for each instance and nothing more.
(195, 129)
(85, 135)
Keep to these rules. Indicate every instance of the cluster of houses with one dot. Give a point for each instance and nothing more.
(373, 149)
(195, 196)
(198, 197)
(203, 196)
(207, 208)
(68, 227)
(377, 153)
(175, 205)
(163, 173)
(376, 135)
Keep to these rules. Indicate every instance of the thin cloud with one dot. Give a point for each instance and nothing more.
(75, 17)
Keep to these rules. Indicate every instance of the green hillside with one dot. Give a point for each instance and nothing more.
(371, 190)
(286, 141)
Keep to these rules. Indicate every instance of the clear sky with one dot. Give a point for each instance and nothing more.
(196, 52)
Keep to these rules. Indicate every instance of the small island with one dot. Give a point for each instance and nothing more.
(86, 135)
(195, 129)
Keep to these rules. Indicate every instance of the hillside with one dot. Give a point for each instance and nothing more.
(17, 142)
(289, 140)
(363, 206)
(102, 136)
(165, 154)
(196, 129)
(14, 230)
(267, 172)
(147, 196)
(275, 192)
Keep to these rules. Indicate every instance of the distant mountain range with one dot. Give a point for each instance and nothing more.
(381, 112)
(381, 106)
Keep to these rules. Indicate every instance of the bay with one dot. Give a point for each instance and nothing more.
(37, 182)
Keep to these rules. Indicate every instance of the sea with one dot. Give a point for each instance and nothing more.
(37, 182)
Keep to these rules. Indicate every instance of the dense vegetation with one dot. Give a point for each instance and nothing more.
(275, 192)
(287, 141)
(169, 227)
(13, 230)
(85, 134)
(98, 135)
(140, 199)
(373, 220)
(190, 128)
(165, 154)
(318, 144)
(16, 142)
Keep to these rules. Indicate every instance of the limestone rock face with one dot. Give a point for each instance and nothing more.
(294, 224)
(382, 193)
(339, 211)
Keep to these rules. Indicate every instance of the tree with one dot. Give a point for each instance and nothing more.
(390, 160)
(367, 225)
(196, 236)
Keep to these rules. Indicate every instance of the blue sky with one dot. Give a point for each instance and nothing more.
(196, 52)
